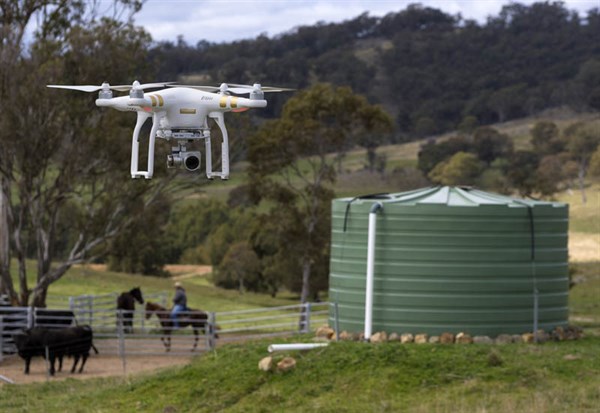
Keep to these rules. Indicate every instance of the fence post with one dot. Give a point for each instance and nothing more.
(90, 301)
(307, 319)
(1, 338)
(336, 321)
(30, 320)
(210, 334)
(121, 339)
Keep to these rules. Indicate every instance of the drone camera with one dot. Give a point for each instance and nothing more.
(189, 160)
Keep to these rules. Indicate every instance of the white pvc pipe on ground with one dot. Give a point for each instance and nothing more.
(370, 269)
(297, 346)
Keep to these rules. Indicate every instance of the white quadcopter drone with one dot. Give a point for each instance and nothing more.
(181, 113)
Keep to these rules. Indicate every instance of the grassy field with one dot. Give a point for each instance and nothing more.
(344, 377)
(200, 291)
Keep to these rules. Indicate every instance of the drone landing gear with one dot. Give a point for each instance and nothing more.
(180, 156)
(135, 147)
(224, 174)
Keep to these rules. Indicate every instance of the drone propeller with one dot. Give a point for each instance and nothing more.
(235, 88)
(204, 88)
(105, 86)
(243, 89)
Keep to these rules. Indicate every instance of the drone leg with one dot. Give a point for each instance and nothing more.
(135, 144)
(219, 118)
(151, 147)
(208, 155)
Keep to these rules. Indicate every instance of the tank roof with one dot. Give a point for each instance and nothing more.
(452, 196)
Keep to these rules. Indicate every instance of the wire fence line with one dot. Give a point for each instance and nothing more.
(150, 337)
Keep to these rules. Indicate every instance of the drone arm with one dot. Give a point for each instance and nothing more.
(135, 143)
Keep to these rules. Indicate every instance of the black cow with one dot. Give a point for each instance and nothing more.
(30, 344)
(54, 318)
(72, 341)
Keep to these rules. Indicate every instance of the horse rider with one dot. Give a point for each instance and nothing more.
(179, 303)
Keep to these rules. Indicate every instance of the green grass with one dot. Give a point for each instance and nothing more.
(345, 377)
(201, 293)
(584, 297)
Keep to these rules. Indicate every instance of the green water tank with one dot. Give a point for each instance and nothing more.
(451, 259)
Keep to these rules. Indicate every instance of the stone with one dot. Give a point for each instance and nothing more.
(482, 340)
(528, 338)
(434, 339)
(503, 339)
(559, 334)
(266, 364)
(464, 338)
(325, 331)
(571, 357)
(407, 338)
(421, 338)
(573, 333)
(394, 337)
(542, 336)
(286, 364)
(345, 336)
(379, 337)
(447, 338)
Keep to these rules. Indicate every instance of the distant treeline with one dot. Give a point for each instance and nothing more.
(432, 71)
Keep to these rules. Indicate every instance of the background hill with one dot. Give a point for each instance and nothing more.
(429, 69)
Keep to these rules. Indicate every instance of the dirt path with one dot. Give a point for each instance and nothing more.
(97, 366)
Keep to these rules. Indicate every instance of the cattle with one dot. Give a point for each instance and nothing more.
(55, 344)
(54, 318)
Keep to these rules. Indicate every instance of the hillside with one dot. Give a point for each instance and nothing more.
(429, 69)
(344, 377)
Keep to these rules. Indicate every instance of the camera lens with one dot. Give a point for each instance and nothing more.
(192, 163)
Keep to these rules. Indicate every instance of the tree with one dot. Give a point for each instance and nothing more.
(595, 163)
(239, 269)
(521, 171)
(59, 154)
(461, 169)
(490, 144)
(433, 153)
(545, 138)
(292, 164)
(582, 141)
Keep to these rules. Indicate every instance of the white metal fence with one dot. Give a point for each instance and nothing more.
(148, 337)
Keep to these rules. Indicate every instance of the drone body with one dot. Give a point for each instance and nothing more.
(179, 113)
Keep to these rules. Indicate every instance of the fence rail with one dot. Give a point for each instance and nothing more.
(147, 334)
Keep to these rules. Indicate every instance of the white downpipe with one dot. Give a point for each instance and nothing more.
(297, 346)
(370, 269)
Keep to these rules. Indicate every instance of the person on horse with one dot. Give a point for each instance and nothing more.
(179, 303)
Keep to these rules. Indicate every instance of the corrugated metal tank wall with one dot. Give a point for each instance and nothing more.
(451, 259)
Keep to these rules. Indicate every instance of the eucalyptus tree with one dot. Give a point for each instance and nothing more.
(293, 165)
(63, 163)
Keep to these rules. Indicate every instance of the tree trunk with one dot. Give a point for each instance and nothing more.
(39, 298)
(306, 267)
(581, 176)
(6, 284)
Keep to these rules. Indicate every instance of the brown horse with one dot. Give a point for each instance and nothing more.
(126, 302)
(197, 319)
